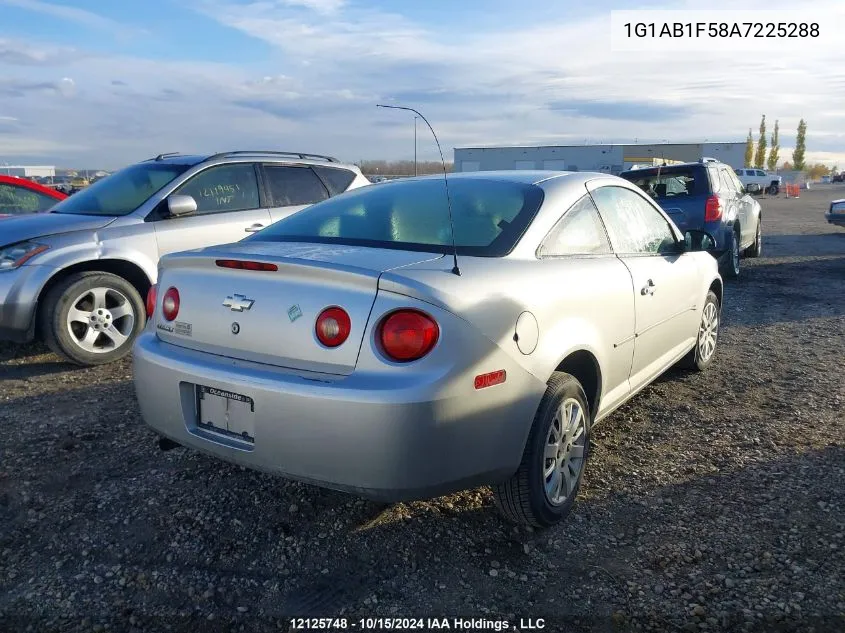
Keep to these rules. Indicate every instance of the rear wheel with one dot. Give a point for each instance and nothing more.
(756, 249)
(730, 268)
(700, 356)
(543, 490)
(92, 318)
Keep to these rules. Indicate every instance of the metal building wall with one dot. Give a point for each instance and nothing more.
(554, 157)
(604, 158)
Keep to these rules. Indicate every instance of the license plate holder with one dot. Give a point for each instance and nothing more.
(226, 413)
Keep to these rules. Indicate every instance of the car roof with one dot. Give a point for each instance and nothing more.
(34, 186)
(522, 176)
(176, 158)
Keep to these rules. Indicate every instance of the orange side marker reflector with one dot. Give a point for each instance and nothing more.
(488, 380)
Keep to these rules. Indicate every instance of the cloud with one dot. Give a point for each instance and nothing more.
(20, 53)
(329, 63)
(75, 15)
(16, 88)
(620, 110)
(321, 6)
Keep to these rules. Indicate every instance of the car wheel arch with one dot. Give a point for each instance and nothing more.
(128, 270)
(718, 288)
(736, 232)
(585, 367)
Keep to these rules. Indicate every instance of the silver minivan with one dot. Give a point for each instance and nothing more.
(75, 276)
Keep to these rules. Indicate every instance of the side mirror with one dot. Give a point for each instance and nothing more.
(178, 205)
(695, 240)
(753, 188)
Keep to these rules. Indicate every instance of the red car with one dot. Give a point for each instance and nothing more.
(19, 196)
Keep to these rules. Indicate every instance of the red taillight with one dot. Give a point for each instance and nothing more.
(408, 335)
(333, 326)
(712, 209)
(244, 265)
(152, 294)
(170, 304)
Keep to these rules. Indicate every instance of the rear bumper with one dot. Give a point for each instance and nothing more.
(835, 218)
(19, 290)
(389, 441)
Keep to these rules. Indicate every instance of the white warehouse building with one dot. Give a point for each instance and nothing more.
(604, 158)
(28, 171)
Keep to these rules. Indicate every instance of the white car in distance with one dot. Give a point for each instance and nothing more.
(770, 183)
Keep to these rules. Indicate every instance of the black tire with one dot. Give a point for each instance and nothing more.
(756, 249)
(730, 269)
(774, 190)
(63, 338)
(696, 359)
(523, 498)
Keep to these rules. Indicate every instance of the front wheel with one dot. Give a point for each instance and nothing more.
(92, 318)
(774, 190)
(700, 356)
(542, 491)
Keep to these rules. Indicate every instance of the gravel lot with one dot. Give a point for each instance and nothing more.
(713, 501)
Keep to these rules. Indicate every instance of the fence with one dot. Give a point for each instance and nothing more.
(792, 191)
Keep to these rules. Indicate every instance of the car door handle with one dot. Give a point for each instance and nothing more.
(648, 289)
(254, 228)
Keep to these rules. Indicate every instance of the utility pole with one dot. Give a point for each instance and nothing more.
(415, 145)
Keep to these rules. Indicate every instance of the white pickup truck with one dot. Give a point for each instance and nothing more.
(769, 183)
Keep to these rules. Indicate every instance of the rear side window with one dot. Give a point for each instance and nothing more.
(292, 186)
(19, 200)
(715, 179)
(737, 182)
(336, 180)
(635, 226)
(738, 172)
(579, 232)
(727, 180)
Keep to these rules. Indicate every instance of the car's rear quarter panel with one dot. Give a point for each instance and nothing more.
(580, 303)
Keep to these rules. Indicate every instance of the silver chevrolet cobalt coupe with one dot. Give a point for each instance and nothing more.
(352, 345)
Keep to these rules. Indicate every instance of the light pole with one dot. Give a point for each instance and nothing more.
(415, 145)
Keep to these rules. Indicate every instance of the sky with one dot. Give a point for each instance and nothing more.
(102, 84)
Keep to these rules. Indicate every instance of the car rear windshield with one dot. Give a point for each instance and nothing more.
(489, 217)
(122, 192)
(672, 182)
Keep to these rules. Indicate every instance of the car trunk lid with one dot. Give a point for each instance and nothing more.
(687, 212)
(269, 316)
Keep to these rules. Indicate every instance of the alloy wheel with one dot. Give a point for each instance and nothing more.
(100, 320)
(708, 331)
(563, 457)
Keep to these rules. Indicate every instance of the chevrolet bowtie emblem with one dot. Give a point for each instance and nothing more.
(238, 303)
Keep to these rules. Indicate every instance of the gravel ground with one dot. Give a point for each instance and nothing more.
(713, 502)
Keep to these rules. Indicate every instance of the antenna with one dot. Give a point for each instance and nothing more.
(455, 269)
